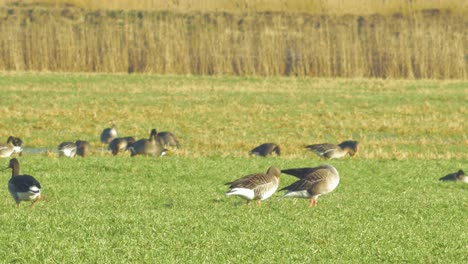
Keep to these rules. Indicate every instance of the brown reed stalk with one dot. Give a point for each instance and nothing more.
(427, 44)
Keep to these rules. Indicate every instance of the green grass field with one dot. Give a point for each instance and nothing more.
(389, 207)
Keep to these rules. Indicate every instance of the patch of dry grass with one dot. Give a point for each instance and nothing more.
(393, 119)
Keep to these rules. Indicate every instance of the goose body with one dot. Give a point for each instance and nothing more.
(82, 148)
(23, 187)
(108, 134)
(312, 183)
(120, 144)
(266, 149)
(457, 176)
(17, 144)
(67, 149)
(168, 139)
(332, 151)
(6, 150)
(259, 186)
(149, 147)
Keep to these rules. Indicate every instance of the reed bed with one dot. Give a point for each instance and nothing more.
(429, 43)
(337, 7)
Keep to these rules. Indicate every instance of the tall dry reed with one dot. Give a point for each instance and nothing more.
(427, 44)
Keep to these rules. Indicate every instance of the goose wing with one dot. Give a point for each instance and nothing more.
(322, 148)
(251, 181)
(23, 183)
(309, 177)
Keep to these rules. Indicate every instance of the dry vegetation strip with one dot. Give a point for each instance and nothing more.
(424, 44)
(230, 116)
(336, 7)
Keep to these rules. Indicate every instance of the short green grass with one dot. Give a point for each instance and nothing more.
(389, 206)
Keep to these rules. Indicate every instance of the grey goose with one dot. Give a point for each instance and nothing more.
(120, 144)
(312, 183)
(148, 147)
(258, 186)
(266, 149)
(332, 151)
(168, 139)
(13, 145)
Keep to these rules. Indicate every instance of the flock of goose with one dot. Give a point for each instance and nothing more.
(312, 183)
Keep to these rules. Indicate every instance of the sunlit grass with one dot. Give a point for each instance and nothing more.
(223, 116)
(121, 209)
(389, 206)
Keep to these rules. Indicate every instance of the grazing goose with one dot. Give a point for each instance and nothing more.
(331, 151)
(151, 146)
(17, 144)
(67, 149)
(108, 134)
(312, 182)
(120, 144)
(266, 149)
(6, 150)
(23, 187)
(168, 139)
(457, 176)
(257, 186)
(82, 148)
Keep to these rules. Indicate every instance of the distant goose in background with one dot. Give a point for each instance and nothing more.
(6, 150)
(259, 186)
(120, 144)
(266, 149)
(23, 187)
(17, 144)
(457, 176)
(150, 147)
(331, 151)
(67, 149)
(82, 148)
(108, 134)
(312, 182)
(168, 139)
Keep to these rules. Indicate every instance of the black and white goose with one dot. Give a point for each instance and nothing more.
(148, 147)
(258, 186)
(266, 149)
(332, 151)
(457, 176)
(312, 182)
(23, 187)
(108, 134)
(67, 149)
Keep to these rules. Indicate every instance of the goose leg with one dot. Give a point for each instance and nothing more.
(259, 202)
(312, 202)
